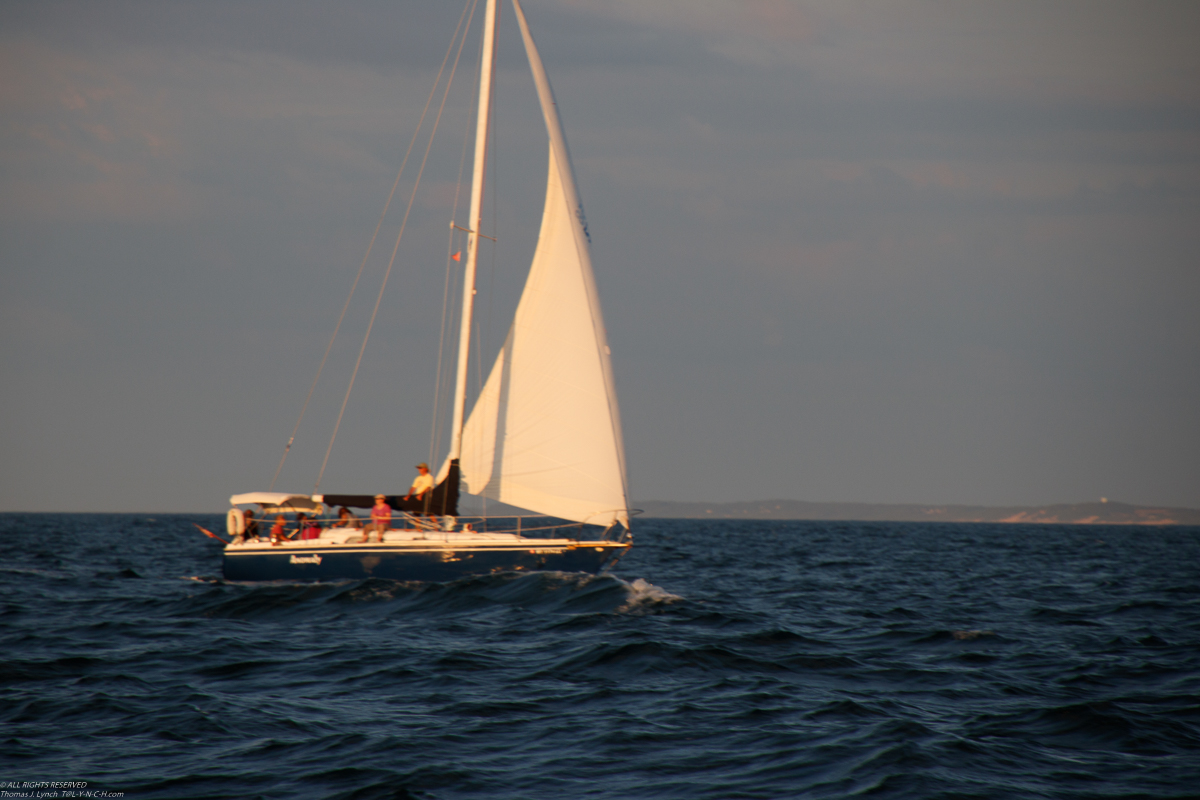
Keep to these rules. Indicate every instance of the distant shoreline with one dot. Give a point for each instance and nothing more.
(1110, 513)
(1096, 513)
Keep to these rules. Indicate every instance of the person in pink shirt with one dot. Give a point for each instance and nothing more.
(381, 518)
(309, 528)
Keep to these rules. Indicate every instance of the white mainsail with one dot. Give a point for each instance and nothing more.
(545, 432)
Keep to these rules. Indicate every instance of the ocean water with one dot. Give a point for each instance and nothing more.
(721, 659)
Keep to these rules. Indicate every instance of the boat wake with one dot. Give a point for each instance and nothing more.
(549, 592)
(644, 596)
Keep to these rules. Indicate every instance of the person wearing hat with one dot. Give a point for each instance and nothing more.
(422, 484)
(381, 518)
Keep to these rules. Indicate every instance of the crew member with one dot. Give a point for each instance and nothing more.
(277, 529)
(381, 518)
(422, 485)
(251, 527)
(346, 519)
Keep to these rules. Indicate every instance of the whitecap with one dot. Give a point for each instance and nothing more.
(642, 594)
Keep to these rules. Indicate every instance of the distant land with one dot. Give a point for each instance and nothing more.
(1097, 513)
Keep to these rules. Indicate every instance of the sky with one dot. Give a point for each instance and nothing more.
(913, 252)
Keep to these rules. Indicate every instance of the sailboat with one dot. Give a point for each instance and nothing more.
(544, 433)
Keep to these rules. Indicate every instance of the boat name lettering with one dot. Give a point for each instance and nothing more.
(313, 559)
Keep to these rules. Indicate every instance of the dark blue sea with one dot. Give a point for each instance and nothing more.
(721, 659)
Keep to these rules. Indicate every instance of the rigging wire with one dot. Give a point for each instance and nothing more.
(412, 198)
(370, 245)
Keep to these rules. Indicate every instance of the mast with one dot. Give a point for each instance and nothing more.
(474, 221)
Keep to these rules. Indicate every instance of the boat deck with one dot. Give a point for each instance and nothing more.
(422, 555)
(423, 539)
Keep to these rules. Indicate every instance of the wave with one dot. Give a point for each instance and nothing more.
(733, 661)
(550, 592)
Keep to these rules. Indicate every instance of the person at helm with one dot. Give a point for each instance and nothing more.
(422, 485)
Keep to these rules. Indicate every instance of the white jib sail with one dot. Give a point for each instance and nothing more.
(545, 433)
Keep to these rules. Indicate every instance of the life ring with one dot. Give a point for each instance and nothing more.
(235, 523)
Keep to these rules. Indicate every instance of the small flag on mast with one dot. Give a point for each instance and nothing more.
(457, 256)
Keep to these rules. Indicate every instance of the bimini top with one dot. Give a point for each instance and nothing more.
(281, 500)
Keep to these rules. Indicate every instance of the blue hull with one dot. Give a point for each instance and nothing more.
(408, 563)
